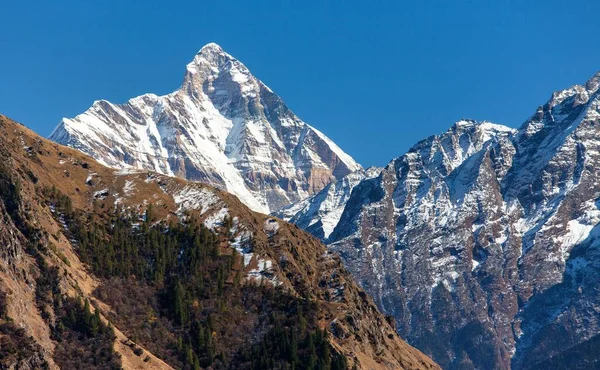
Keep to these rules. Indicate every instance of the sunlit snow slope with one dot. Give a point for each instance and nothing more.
(223, 127)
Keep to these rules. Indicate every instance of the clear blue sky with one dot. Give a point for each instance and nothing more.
(375, 76)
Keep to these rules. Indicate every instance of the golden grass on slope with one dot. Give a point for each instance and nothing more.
(361, 332)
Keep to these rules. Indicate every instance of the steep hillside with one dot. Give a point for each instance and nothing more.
(223, 127)
(104, 268)
(482, 242)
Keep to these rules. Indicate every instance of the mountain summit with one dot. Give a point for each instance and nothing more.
(223, 126)
(483, 242)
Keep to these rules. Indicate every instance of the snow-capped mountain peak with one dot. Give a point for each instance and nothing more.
(223, 127)
(211, 47)
(482, 241)
(593, 83)
(213, 61)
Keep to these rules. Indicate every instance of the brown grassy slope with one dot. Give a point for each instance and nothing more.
(300, 262)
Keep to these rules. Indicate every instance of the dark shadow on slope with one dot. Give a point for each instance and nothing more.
(366, 192)
(557, 323)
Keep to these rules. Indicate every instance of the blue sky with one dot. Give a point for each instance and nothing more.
(375, 76)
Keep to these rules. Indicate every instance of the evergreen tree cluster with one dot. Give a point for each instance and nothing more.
(121, 244)
(198, 295)
(93, 350)
(311, 352)
(83, 340)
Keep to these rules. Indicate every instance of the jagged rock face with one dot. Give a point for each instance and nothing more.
(223, 127)
(408, 237)
(482, 242)
(320, 213)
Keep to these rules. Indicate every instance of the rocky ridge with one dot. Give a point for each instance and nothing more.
(482, 242)
(223, 127)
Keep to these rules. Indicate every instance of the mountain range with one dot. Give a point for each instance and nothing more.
(481, 242)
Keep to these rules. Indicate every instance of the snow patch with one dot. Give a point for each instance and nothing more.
(271, 226)
(264, 267)
(216, 219)
(88, 180)
(195, 198)
(128, 188)
(101, 194)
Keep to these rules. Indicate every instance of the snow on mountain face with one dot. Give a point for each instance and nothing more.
(223, 127)
(483, 242)
(320, 213)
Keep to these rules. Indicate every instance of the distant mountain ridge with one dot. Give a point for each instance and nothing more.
(483, 242)
(223, 127)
